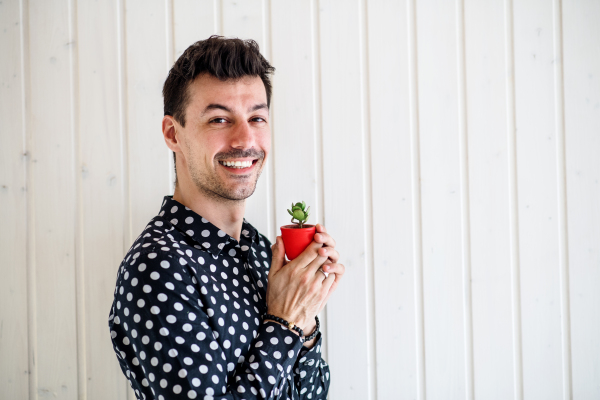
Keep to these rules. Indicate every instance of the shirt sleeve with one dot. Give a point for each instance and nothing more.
(168, 347)
(311, 373)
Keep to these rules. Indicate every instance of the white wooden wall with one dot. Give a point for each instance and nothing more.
(451, 147)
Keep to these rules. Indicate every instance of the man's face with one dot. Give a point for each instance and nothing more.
(227, 136)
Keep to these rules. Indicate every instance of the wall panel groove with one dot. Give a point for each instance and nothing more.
(513, 203)
(561, 192)
(464, 197)
(416, 200)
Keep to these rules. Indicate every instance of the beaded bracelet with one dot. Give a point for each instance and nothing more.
(295, 327)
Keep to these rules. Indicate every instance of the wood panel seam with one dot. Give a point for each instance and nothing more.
(513, 203)
(464, 200)
(562, 201)
(416, 197)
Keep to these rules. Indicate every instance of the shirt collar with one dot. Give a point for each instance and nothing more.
(207, 235)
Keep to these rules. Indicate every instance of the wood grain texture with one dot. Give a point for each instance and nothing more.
(53, 155)
(14, 368)
(101, 185)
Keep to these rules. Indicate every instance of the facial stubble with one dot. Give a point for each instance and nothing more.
(208, 182)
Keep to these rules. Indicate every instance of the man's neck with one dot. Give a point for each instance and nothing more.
(227, 215)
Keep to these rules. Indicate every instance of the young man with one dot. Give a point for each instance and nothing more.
(188, 318)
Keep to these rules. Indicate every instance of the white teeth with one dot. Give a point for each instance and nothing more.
(237, 164)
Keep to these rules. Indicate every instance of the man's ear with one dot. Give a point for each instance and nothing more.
(170, 129)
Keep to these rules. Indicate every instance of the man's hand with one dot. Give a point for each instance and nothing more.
(297, 291)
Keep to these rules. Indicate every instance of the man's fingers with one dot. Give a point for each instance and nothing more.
(324, 238)
(337, 269)
(330, 253)
(308, 255)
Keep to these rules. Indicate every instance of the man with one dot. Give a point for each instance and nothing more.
(188, 318)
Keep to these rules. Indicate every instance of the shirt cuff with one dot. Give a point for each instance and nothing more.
(277, 342)
(310, 358)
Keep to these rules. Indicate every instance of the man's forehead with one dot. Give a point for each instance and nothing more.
(246, 92)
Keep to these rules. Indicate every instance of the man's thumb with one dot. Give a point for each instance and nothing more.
(278, 250)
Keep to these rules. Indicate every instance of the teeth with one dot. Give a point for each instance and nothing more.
(237, 164)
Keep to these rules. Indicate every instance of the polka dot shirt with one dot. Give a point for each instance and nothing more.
(186, 319)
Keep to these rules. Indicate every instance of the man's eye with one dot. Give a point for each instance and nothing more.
(218, 120)
(258, 119)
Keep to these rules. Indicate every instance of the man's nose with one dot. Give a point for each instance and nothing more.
(243, 136)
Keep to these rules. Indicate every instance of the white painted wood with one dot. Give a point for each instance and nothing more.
(392, 210)
(441, 207)
(101, 193)
(537, 200)
(193, 20)
(345, 212)
(148, 157)
(52, 49)
(489, 199)
(13, 208)
(581, 35)
(250, 20)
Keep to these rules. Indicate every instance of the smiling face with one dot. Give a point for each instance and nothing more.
(226, 139)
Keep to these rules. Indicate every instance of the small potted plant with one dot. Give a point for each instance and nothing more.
(298, 236)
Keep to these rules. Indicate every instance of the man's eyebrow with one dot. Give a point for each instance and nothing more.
(214, 106)
(259, 107)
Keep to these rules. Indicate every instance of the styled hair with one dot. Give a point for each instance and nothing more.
(220, 57)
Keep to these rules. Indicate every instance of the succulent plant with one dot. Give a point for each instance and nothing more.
(299, 212)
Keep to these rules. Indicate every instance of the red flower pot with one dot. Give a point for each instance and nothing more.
(296, 239)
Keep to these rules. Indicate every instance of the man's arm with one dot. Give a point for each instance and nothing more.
(166, 345)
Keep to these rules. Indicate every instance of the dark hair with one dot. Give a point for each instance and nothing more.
(220, 57)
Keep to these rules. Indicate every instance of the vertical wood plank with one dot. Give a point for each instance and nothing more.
(440, 179)
(149, 157)
(581, 63)
(14, 368)
(538, 205)
(250, 20)
(101, 183)
(52, 156)
(489, 195)
(344, 136)
(193, 20)
(393, 242)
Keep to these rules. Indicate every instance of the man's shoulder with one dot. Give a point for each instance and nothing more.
(158, 238)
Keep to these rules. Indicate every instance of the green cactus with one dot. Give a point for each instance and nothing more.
(299, 212)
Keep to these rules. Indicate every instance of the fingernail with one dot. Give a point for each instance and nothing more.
(326, 267)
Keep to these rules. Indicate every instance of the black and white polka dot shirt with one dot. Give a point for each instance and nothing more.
(186, 318)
